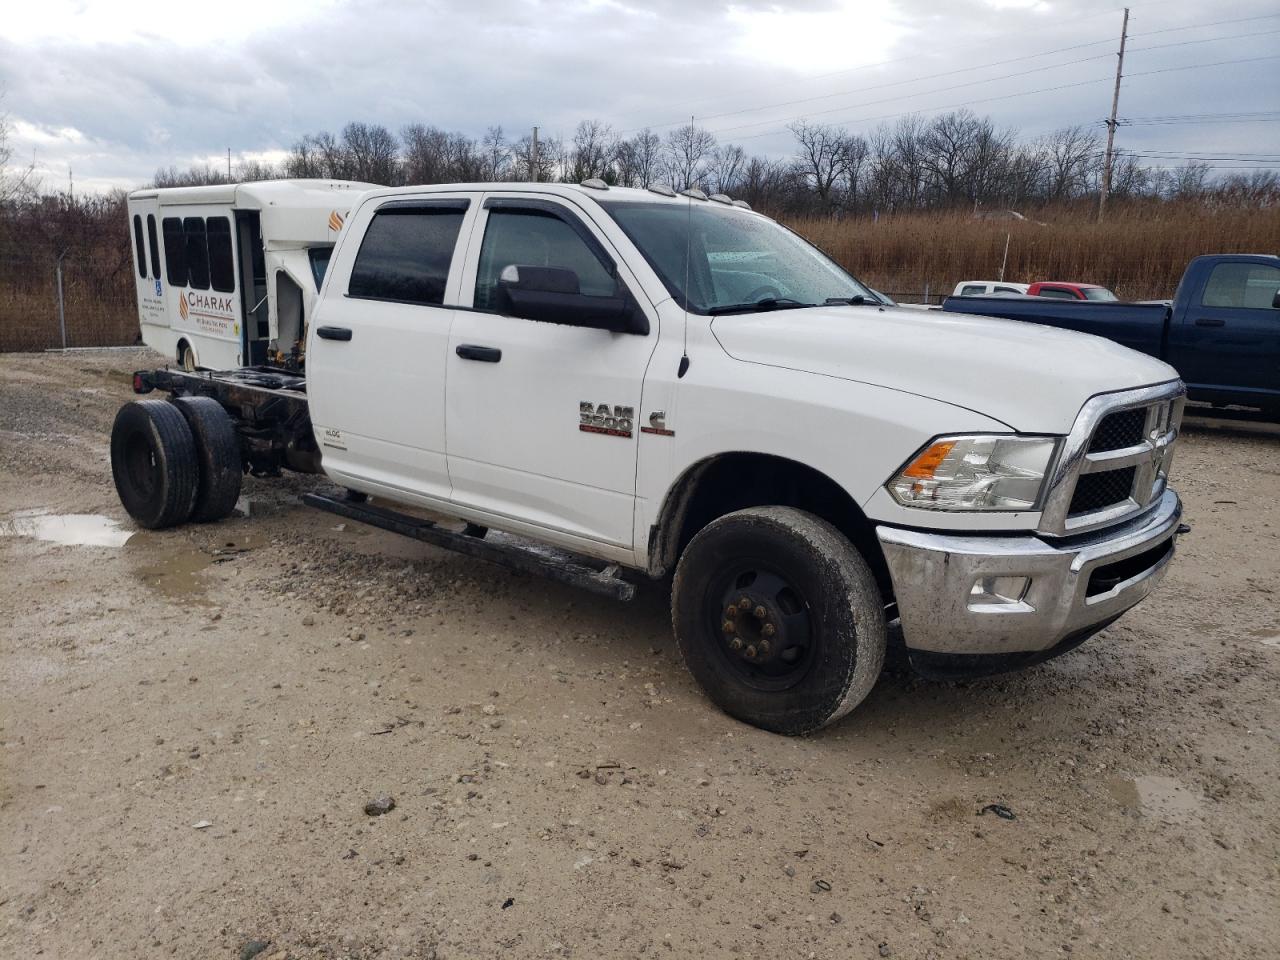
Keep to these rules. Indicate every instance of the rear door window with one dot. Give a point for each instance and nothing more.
(406, 252)
(1053, 293)
(1249, 286)
(973, 290)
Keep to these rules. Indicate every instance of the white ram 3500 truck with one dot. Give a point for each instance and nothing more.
(640, 381)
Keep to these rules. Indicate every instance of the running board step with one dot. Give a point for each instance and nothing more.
(507, 551)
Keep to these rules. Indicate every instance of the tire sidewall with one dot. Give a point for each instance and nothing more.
(169, 441)
(844, 607)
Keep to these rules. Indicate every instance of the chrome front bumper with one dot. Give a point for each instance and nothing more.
(939, 582)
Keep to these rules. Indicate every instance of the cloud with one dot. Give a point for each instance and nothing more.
(117, 90)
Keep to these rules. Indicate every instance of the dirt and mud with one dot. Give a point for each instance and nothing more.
(192, 723)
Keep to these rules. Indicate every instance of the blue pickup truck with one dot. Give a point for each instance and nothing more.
(1221, 332)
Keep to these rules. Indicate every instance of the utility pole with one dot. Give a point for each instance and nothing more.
(228, 164)
(533, 156)
(1111, 124)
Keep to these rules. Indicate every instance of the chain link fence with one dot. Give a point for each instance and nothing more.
(68, 301)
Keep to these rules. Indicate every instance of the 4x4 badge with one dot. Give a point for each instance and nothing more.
(658, 424)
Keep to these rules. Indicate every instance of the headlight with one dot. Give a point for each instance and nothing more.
(976, 473)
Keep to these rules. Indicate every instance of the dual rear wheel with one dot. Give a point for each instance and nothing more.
(174, 461)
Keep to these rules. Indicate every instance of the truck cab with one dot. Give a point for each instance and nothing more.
(1070, 291)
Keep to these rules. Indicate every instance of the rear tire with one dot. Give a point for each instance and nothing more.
(806, 639)
(218, 452)
(153, 462)
(187, 357)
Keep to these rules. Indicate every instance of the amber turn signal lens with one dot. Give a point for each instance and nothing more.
(924, 466)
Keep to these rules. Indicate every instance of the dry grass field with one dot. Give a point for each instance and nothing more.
(1139, 252)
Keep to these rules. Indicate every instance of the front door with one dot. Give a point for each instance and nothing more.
(1229, 336)
(542, 416)
(376, 347)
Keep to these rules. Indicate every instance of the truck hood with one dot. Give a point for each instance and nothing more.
(1033, 378)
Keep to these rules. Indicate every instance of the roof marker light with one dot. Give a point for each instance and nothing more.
(743, 204)
(595, 183)
(721, 198)
(694, 192)
(661, 189)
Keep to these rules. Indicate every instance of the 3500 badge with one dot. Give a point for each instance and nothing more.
(613, 421)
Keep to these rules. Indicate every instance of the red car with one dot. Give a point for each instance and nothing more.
(1070, 291)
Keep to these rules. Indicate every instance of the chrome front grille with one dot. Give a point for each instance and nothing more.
(1115, 462)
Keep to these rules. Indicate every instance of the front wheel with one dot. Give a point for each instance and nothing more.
(779, 619)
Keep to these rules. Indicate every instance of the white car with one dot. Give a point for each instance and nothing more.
(987, 288)
(648, 385)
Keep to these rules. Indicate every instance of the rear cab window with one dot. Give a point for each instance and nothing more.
(973, 290)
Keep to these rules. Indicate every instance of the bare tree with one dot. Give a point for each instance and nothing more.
(725, 168)
(1071, 155)
(595, 147)
(823, 156)
(688, 149)
(497, 155)
(371, 150)
(640, 159)
(549, 153)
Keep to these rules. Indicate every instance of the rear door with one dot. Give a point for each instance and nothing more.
(376, 349)
(542, 416)
(1228, 335)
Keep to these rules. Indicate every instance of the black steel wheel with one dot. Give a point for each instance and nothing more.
(779, 618)
(218, 453)
(153, 463)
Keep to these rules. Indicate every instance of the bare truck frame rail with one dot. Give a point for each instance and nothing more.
(268, 407)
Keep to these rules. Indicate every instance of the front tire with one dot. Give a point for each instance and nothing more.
(779, 619)
(153, 462)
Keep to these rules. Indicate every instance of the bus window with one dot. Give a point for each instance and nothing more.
(175, 251)
(222, 272)
(197, 253)
(155, 247)
(138, 247)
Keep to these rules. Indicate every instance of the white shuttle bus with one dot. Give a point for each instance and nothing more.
(227, 275)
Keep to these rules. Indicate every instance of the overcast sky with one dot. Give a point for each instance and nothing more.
(114, 90)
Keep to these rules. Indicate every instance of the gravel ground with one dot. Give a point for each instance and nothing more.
(192, 724)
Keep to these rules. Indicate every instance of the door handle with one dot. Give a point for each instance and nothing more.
(1210, 322)
(333, 333)
(471, 351)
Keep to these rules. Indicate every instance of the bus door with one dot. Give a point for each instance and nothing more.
(256, 332)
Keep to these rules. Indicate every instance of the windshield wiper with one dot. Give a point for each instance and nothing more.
(768, 303)
(853, 301)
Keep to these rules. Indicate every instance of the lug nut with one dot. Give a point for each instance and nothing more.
(744, 604)
(760, 613)
(732, 611)
(728, 627)
(764, 648)
(751, 651)
(768, 629)
(735, 643)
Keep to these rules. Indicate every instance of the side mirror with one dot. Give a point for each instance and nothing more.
(1275, 301)
(553, 295)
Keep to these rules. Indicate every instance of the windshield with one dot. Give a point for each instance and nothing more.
(736, 258)
(1098, 293)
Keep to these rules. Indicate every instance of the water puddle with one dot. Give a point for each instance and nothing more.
(67, 529)
(177, 576)
(1161, 797)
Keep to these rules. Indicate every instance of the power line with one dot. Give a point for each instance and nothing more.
(1025, 57)
(779, 124)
